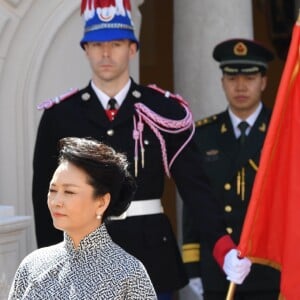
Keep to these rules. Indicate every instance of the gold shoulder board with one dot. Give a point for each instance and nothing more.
(206, 121)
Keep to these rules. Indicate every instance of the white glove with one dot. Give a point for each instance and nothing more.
(196, 286)
(236, 269)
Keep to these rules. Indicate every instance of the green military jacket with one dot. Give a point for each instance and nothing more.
(231, 170)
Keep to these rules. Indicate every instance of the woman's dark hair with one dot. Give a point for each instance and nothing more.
(107, 170)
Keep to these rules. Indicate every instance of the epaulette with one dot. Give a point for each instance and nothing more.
(206, 121)
(168, 94)
(46, 104)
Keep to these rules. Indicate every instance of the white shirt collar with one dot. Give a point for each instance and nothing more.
(104, 98)
(235, 120)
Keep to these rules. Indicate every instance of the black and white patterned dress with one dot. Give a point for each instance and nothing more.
(97, 269)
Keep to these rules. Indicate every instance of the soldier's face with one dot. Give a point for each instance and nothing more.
(110, 60)
(243, 92)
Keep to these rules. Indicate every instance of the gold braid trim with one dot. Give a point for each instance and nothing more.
(253, 164)
(191, 253)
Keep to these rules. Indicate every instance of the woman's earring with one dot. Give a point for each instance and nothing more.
(99, 216)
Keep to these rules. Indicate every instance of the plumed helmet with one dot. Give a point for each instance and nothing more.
(107, 20)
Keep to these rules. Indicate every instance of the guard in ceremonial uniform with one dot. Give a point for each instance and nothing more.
(230, 144)
(154, 129)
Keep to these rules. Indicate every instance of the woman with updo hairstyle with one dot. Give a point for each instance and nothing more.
(90, 185)
(107, 171)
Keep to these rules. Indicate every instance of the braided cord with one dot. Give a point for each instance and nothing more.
(158, 123)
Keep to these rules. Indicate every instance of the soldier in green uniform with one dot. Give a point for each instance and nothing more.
(230, 144)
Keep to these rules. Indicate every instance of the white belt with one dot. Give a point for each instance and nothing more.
(141, 208)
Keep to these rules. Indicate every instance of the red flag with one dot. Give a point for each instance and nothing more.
(271, 231)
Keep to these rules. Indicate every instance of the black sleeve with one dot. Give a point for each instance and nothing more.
(44, 164)
(194, 189)
(191, 250)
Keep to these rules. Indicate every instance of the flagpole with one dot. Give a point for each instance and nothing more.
(231, 290)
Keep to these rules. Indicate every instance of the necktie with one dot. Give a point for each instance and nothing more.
(112, 104)
(243, 127)
(111, 109)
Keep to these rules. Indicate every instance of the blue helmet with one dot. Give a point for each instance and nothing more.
(107, 20)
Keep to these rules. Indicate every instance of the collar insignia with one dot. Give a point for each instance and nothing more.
(262, 127)
(223, 128)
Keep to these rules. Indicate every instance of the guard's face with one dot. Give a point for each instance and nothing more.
(243, 92)
(71, 202)
(110, 60)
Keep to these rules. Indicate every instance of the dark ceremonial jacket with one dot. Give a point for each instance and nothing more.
(231, 171)
(149, 238)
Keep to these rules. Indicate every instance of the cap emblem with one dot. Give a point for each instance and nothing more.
(106, 14)
(240, 49)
